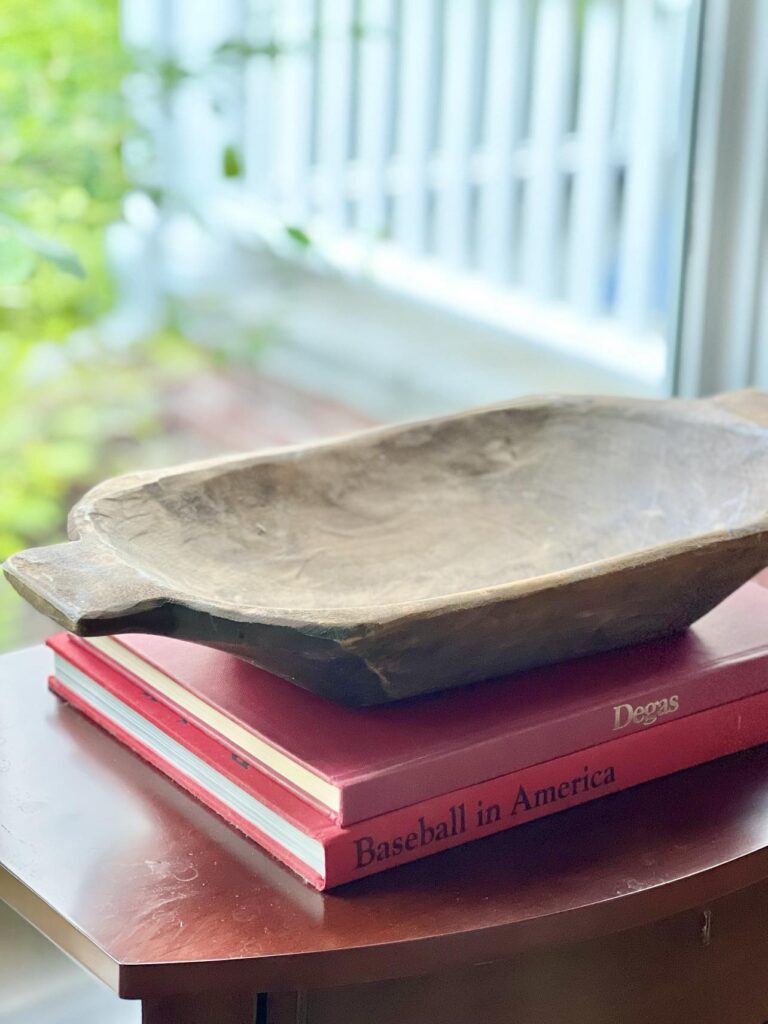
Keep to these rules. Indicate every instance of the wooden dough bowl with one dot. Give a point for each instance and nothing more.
(431, 554)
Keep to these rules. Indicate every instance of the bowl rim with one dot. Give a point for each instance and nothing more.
(86, 518)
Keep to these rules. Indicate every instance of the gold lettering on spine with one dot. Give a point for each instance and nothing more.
(644, 714)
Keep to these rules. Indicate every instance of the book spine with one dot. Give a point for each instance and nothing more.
(641, 710)
(502, 803)
(177, 775)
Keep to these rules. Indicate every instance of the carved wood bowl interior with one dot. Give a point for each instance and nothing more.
(432, 554)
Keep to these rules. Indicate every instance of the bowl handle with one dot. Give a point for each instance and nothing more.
(749, 403)
(83, 585)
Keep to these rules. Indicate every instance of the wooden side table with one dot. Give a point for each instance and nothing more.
(651, 905)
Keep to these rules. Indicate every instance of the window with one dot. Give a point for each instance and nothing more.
(475, 198)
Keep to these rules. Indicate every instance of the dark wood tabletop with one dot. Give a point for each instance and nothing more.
(157, 896)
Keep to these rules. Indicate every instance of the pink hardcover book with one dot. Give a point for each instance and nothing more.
(356, 763)
(327, 854)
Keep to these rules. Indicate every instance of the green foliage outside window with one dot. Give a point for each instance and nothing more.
(70, 406)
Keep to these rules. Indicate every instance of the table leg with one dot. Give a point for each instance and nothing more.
(217, 1008)
(284, 1008)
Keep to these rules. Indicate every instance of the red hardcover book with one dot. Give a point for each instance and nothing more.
(326, 854)
(361, 762)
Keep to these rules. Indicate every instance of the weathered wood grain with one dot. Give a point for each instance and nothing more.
(431, 554)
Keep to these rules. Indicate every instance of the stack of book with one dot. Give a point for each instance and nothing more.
(337, 793)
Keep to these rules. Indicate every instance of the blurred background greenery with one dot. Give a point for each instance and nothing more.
(74, 405)
(85, 394)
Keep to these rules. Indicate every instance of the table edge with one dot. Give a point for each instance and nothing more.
(58, 929)
(430, 953)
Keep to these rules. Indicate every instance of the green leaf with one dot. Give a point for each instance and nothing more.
(169, 73)
(231, 163)
(298, 235)
(239, 49)
(47, 248)
(16, 260)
